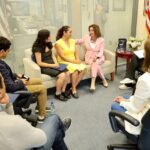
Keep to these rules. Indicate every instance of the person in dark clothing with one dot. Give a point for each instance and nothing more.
(45, 58)
(130, 80)
(15, 82)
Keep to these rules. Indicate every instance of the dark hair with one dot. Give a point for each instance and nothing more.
(96, 29)
(61, 31)
(40, 40)
(4, 43)
(1, 82)
(146, 64)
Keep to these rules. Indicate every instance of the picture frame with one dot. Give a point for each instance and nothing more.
(119, 5)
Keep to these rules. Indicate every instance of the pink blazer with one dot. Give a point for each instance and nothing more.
(90, 54)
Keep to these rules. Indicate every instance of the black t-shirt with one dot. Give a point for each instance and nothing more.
(45, 56)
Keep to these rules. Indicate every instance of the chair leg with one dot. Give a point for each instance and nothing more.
(122, 146)
(112, 76)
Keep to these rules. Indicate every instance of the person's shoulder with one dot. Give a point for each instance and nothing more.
(36, 49)
(58, 41)
(144, 79)
(72, 41)
(3, 63)
(100, 39)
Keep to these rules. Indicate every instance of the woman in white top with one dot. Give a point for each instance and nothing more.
(18, 134)
(138, 104)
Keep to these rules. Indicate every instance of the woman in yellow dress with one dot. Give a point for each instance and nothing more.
(67, 54)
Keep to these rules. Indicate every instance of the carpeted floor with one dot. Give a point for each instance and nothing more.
(90, 129)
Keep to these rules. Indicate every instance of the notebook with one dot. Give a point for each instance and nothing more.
(62, 67)
(139, 53)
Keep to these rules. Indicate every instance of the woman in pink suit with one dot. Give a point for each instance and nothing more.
(94, 56)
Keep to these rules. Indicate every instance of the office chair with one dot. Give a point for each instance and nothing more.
(141, 142)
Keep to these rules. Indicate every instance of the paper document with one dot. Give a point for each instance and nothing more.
(139, 53)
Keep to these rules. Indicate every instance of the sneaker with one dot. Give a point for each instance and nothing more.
(105, 83)
(48, 109)
(124, 87)
(66, 123)
(60, 97)
(40, 119)
(127, 80)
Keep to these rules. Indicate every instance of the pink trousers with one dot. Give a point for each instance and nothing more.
(96, 68)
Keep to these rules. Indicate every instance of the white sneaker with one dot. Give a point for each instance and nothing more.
(124, 87)
(126, 81)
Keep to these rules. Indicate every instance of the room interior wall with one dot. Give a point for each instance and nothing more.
(140, 28)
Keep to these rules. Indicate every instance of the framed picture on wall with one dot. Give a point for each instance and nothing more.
(119, 5)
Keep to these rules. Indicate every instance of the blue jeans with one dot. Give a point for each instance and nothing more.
(54, 129)
(116, 106)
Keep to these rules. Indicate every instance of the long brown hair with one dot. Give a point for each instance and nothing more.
(96, 29)
(146, 65)
(61, 31)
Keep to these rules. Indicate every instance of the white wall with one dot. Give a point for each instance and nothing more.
(118, 24)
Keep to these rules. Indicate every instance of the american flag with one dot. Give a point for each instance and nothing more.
(5, 13)
(147, 14)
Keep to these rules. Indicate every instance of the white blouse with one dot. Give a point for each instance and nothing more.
(139, 103)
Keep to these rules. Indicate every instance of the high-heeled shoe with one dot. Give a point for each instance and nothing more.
(105, 83)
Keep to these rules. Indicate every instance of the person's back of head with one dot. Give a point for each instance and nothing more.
(4, 44)
(147, 55)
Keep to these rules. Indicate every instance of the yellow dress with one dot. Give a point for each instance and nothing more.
(69, 53)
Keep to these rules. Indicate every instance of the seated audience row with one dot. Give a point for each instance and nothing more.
(17, 134)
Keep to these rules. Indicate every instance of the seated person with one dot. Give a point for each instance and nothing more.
(44, 57)
(15, 82)
(67, 54)
(138, 104)
(94, 56)
(18, 134)
(135, 64)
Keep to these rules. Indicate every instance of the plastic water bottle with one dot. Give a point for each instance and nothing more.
(52, 106)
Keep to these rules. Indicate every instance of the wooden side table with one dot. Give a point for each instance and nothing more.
(125, 55)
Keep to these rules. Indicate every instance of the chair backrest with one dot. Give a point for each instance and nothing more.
(122, 44)
(144, 139)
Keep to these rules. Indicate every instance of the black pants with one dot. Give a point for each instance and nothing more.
(136, 64)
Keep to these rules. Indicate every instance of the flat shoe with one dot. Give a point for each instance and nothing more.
(75, 95)
(60, 97)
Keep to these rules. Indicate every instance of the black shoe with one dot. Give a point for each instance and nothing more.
(60, 97)
(75, 95)
(66, 123)
(66, 94)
